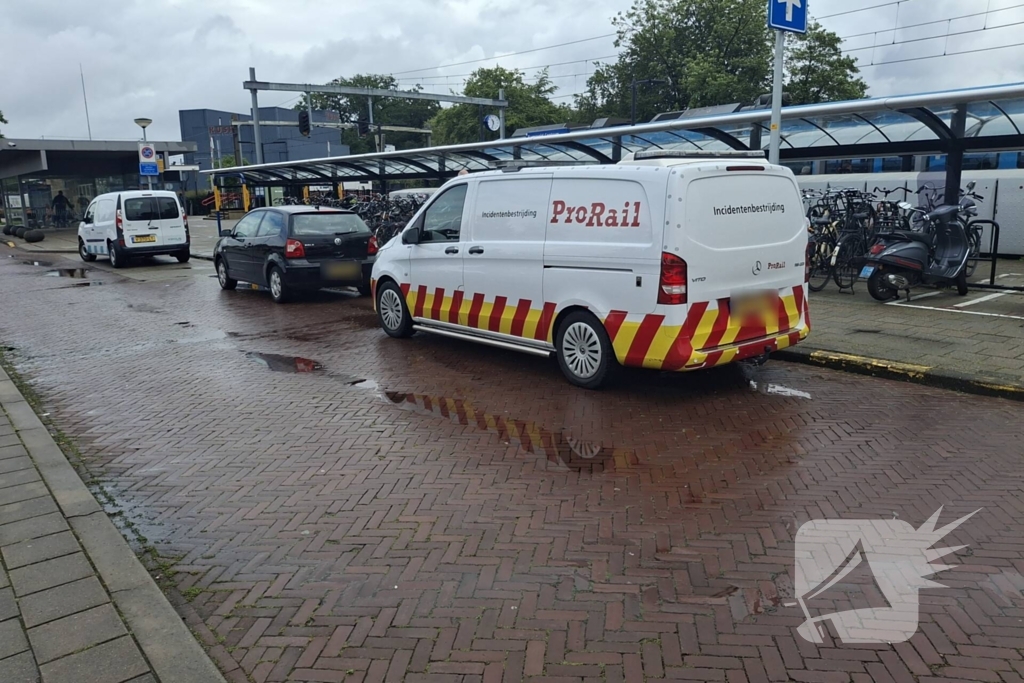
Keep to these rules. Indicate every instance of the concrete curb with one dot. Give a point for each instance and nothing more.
(904, 372)
(173, 652)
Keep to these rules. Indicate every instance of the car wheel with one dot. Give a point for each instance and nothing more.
(584, 351)
(183, 256)
(278, 289)
(117, 257)
(222, 276)
(84, 253)
(392, 311)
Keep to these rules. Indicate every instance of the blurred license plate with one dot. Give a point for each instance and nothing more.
(867, 272)
(139, 239)
(341, 270)
(753, 304)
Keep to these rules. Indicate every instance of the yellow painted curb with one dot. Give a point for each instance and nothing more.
(908, 369)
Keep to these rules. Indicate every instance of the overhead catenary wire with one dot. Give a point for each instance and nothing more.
(930, 23)
(510, 54)
(948, 54)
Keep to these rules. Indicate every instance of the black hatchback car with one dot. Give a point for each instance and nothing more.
(288, 249)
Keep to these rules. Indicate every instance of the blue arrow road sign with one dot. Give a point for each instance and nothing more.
(788, 15)
(148, 169)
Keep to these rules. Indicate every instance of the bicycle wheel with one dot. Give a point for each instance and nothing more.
(820, 255)
(846, 261)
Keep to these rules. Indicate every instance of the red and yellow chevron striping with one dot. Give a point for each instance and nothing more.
(710, 335)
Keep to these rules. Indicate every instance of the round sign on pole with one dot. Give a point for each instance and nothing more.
(147, 152)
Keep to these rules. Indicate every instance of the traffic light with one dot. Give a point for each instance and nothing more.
(304, 122)
(363, 127)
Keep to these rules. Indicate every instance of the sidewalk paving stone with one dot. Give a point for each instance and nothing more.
(19, 669)
(77, 596)
(39, 549)
(76, 632)
(39, 577)
(12, 638)
(31, 528)
(114, 662)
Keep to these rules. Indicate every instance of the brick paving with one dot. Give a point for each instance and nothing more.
(435, 511)
(57, 622)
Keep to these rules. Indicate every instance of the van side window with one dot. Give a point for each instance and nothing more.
(443, 220)
(105, 210)
(90, 214)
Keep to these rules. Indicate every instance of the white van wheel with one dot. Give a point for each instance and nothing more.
(584, 351)
(392, 311)
(84, 252)
(117, 257)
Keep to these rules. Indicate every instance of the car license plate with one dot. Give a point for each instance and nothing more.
(866, 272)
(342, 270)
(753, 304)
(140, 239)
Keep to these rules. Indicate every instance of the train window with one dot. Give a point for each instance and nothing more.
(980, 162)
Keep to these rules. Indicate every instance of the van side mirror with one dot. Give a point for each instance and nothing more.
(87, 220)
(411, 236)
(226, 233)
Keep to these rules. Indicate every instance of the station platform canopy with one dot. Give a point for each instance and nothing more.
(987, 118)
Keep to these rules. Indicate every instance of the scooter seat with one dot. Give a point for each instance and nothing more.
(919, 237)
(942, 212)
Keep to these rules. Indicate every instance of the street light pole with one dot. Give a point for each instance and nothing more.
(776, 126)
(143, 123)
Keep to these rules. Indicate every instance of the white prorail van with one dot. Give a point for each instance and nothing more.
(669, 261)
(134, 223)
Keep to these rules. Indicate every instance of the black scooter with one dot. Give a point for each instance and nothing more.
(903, 259)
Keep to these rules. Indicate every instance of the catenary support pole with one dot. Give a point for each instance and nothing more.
(257, 138)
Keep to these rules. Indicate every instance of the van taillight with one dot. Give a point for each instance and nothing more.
(812, 248)
(371, 246)
(117, 220)
(294, 249)
(672, 285)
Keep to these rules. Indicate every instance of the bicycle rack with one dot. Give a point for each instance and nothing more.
(993, 251)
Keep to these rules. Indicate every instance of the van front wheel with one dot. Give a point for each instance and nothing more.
(392, 311)
(584, 351)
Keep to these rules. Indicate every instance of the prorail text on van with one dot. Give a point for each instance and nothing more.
(597, 215)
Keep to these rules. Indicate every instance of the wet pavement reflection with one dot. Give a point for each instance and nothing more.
(279, 363)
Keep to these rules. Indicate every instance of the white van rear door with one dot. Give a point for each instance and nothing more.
(739, 231)
(140, 222)
(171, 221)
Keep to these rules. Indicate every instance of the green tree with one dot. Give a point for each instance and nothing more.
(711, 52)
(528, 105)
(387, 111)
(817, 69)
(2, 120)
(228, 161)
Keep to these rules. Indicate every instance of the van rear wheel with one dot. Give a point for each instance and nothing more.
(117, 257)
(584, 351)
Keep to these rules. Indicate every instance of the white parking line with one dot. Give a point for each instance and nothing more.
(917, 297)
(960, 310)
(990, 297)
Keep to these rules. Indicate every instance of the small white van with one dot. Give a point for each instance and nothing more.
(133, 223)
(671, 261)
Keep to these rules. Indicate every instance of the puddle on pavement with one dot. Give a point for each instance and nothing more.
(561, 450)
(280, 363)
(778, 390)
(42, 264)
(77, 273)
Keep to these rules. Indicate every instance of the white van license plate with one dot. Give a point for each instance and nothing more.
(867, 272)
(141, 239)
(753, 304)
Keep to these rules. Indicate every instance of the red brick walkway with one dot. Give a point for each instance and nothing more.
(466, 515)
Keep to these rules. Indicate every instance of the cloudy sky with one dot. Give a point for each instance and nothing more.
(154, 57)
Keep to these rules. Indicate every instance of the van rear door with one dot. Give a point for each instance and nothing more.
(742, 232)
(152, 221)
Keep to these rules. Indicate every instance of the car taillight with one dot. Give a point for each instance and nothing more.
(672, 285)
(877, 249)
(294, 249)
(371, 247)
(185, 219)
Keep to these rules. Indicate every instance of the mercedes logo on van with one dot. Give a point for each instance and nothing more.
(337, 241)
(756, 270)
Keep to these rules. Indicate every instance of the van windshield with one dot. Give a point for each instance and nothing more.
(312, 224)
(150, 209)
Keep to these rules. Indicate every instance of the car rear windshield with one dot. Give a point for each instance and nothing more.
(150, 209)
(311, 224)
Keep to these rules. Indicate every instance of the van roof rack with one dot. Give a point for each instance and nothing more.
(698, 154)
(514, 165)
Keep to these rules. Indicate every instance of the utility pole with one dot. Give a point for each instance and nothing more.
(776, 128)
